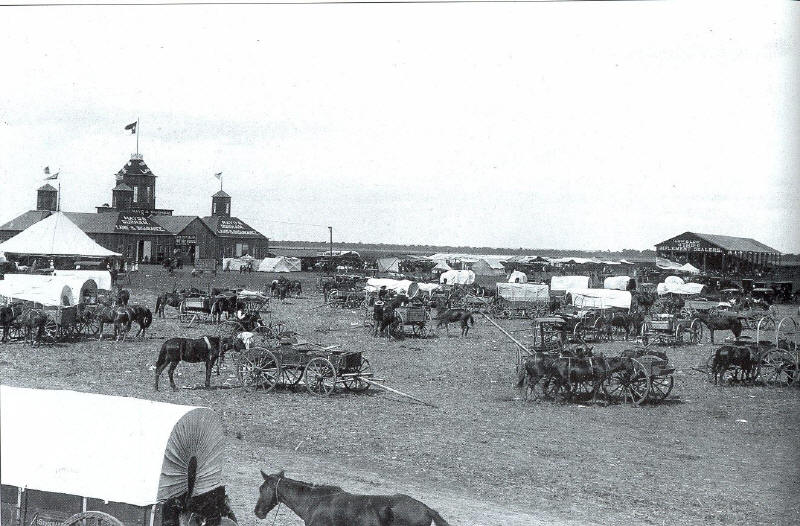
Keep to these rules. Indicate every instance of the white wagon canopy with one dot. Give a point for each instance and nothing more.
(112, 448)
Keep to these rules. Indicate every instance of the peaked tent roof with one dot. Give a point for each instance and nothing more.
(55, 235)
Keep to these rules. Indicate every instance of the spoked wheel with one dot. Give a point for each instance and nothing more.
(229, 329)
(615, 386)
(356, 384)
(631, 383)
(695, 334)
(638, 382)
(51, 330)
(92, 326)
(396, 328)
(92, 518)
(16, 332)
(579, 332)
(553, 390)
(291, 375)
(581, 391)
(258, 368)
(660, 387)
(777, 368)
(320, 376)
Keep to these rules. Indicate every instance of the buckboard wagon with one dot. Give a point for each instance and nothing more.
(413, 318)
(671, 330)
(159, 452)
(291, 362)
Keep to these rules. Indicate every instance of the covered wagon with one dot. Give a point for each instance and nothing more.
(76, 458)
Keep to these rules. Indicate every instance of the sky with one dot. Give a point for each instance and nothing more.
(567, 125)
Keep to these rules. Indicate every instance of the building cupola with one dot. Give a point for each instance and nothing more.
(220, 205)
(140, 180)
(47, 198)
(122, 196)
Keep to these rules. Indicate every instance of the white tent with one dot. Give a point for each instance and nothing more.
(274, 265)
(101, 277)
(531, 292)
(564, 283)
(488, 267)
(518, 277)
(404, 286)
(600, 298)
(427, 288)
(294, 264)
(140, 457)
(691, 269)
(674, 280)
(673, 287)
(442, 265)
(389, 265)
(55, 235)
(457, 277)
(617, 282)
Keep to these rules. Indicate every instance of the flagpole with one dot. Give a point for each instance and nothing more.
(137, 135)
(58, 204)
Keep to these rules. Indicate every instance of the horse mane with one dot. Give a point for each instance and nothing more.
(326, 488)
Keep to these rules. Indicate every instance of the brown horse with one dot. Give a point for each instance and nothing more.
(120, 317)
(462, 316)
(8, 313)
(201, 350)
(320, 505)
(727, 356)
(33, 319)
(173, 299)
(631, 323)
(720, 323)
(143, 318)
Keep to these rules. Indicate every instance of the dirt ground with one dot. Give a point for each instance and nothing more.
(707, 455)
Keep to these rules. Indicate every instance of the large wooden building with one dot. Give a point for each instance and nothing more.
(134, 227)
(713, 253)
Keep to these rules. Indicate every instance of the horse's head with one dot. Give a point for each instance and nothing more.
(267, 494)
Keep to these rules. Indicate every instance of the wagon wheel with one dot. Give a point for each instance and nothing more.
(615, 386)
(51, 329)
(354, 383)
(631, 383)
(396, 328)
(767, 323)
(731, 375)
(258, 368)
(16, 332)
(579, 332)
(638, 382)
(698, 332)
(554, 391)
(645, 333)
(320, 376)
(93, 518)
(581, 391)
(660, 387)
(419, 330)
(777, 368)
(686, 312)
(91, 326)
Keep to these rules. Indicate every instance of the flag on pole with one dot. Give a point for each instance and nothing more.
(47, 170)
(132, 127)
(218, 175)
(51, 177)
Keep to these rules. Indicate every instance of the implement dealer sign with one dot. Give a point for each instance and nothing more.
(134, 223)
(234, 227)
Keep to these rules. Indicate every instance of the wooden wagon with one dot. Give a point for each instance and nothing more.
(128, 472)
(321, 369)
(521, 300)
(671, 329)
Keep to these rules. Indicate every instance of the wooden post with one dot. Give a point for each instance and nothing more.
(373, 382)
(529, 353)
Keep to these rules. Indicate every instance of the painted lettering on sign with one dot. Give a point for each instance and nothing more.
(185, 240)
(236, 228)
(48, 518)
(130, 223)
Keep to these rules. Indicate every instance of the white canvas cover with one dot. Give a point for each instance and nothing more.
(528, 292)
(428, 288)
(50, 288)
(403, 286)
(686, 289)
(674, 280)
(484, 267)
(101, 277)
(617, 282)
(274, 265)
(55, 235)
(564, 283)
(107, 447)
(691, 269)
(518, 277)
(45, 293)
(600, 298)
(666, 264)
(457, 277)
(389, 265)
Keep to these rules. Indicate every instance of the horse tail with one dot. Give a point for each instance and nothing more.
(470, 319)
(436, 518)
(522, 376)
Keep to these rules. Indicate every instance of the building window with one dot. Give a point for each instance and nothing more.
(135, 194)
(227, 208)
(214, 206)
(149, 193)
(242, 249)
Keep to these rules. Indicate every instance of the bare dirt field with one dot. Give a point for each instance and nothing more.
(707, 455)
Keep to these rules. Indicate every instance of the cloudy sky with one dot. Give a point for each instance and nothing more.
(540, 125)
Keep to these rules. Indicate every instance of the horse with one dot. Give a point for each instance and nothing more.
(462, 316)
(387, 313)
(595, 369)
(212, 508)
(8, 313)
(280, 288)
(720, 323)
(122, 297)
(323, 505)
(173, 299)
(745, 358)
(33, 319)
(538, 366)
(206, 349)
(631, 323)
(120, 317)
(223, 303)
(295, 287)
(143, 318)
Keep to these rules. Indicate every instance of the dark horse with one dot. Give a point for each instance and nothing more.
(720, 323)
(727, 356)
(122, 297)
(631, 322)
(173, 299)
(387, 314)
(223, 303)
(461, 316)
(206, 350)
(120, 317)
(143, 318)
(320, 505)
(33, 319)
(8, 313)
(296, 288)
